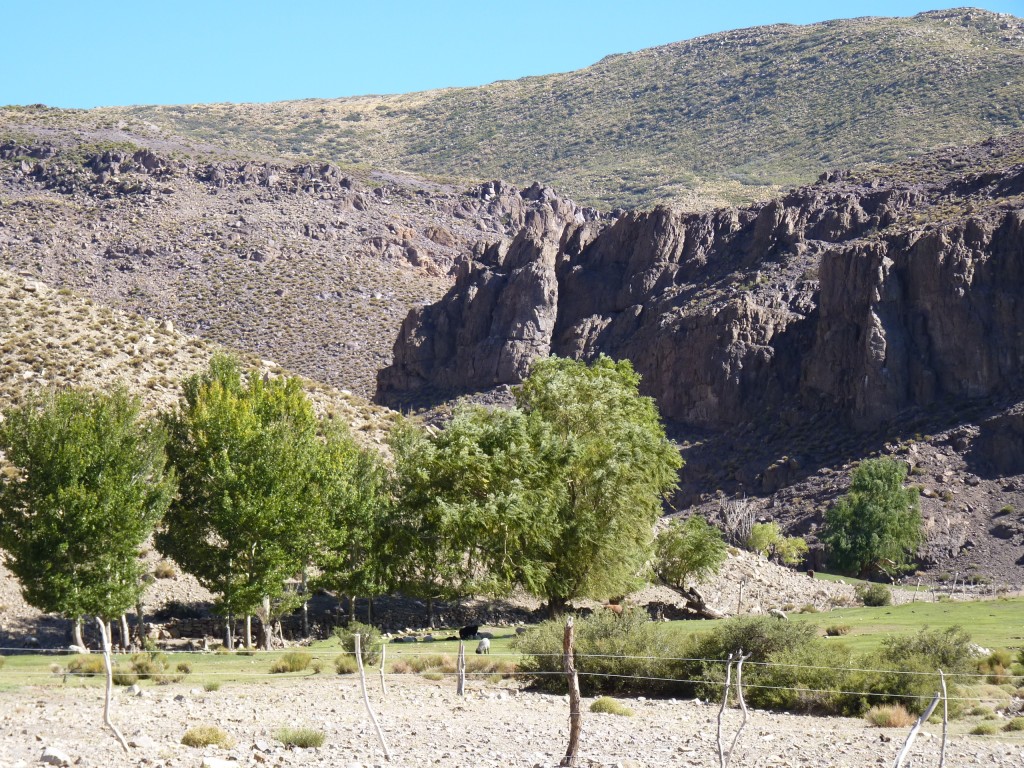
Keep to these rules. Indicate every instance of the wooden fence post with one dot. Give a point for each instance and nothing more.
(575, 712)
(913, 731)
(105, 638)
(721, 711)
(945, 719)
(366, 699)
(383, 684)
(743, 704)
(460, 669)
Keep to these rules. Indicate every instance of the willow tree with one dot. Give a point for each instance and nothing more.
(85, 485)
(247, 453)
(611, 467)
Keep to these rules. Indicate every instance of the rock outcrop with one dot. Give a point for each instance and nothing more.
(831, 299)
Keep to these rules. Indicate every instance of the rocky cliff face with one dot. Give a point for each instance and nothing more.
(832, 298)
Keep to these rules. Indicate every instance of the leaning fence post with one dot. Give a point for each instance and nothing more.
(743, 704)
(575, 712)
(105, 638)
(366, 699)
(913, 731)
(945, 718)
(721, 711)
(383, 684)
(460, 669)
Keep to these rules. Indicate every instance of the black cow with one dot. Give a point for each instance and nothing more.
(469, 632)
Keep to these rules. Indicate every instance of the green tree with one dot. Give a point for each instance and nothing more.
(472, 505)
(767, 539)
(690, 550)
(610, 468)
(876, 526)
(86, 485)
(250, 464)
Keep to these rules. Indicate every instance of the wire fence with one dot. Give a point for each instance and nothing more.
(27, 674)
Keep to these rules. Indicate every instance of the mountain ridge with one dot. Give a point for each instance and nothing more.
(780, 101)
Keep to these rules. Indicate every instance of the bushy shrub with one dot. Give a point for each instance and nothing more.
(305, 738)
(293, 661)
(86, 664)
(184, 667)
(345, 664)
(1016, 724)
(123, 674)
(985, 729)
(369, 640)
(610, 706)
(211, 685)
(996, 667)
(165, 570)
(909, 668)
(890, 716)
(206, 736)
(837, 630)
(614, 653)
(874, 595)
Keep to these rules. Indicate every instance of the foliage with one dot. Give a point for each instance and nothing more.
(558, 495)
(90, 485)
(345, 664)
(628, 646)
(914, 662)
(210, 686)
(257, 481)
(985, 729)
(207, 736)
(767, 539)
(689, 550)
(293, 661)
(874, 595)
(609, 706)
(370, 640)
(609, 466)
(305, 738)
(876, 526)
(1016, 724)
(890, 716)
(472, 505)
(86, 664)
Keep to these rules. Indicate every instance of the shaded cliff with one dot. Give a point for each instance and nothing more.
(863, 295)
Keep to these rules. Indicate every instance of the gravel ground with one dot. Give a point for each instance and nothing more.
(426, 724)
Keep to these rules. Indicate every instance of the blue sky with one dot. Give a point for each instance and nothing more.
(77, 53)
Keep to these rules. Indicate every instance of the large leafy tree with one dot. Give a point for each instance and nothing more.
(85, 485)
(612, 468)
(252, 495)
(473, 505)
(876, 526)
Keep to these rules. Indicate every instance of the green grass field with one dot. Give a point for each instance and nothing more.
(991, 623)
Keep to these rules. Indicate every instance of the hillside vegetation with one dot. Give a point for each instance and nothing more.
(55, 338)
(717, 118)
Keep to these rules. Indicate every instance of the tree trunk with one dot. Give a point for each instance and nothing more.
(305, 607)
(695, 602)
(557, 606)
(430, 612)
(229, 639)
(369, 610)
(125, 634)
(140, 627)
(77, 634)
(267, 626)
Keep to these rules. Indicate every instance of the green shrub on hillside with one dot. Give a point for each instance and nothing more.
(874, 595)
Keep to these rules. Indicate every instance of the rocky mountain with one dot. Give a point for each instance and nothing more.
(782, 339)
(301, 264)
(716, 119)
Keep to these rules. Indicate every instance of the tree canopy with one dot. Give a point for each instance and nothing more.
(256, 483)
(612, 466)
(89, 482)
(690, 550)
(876, 526)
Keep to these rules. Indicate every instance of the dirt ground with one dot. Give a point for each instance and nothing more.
(426, 724)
